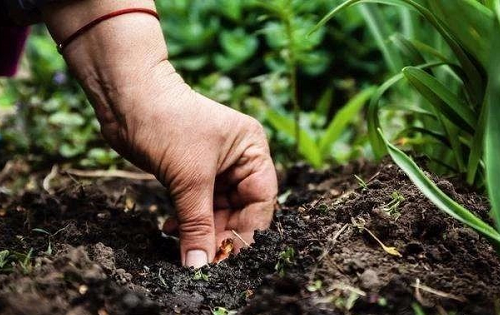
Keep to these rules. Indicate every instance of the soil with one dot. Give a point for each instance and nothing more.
(97, 249)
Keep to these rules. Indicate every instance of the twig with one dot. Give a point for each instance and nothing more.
(111, 173)
(50, 176)
(332, 242)
(240, 238)
(442, 294)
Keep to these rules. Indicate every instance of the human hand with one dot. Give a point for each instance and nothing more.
(214, 161)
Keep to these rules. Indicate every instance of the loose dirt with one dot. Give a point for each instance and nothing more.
(96, 249)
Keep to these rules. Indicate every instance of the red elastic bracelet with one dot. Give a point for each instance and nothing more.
(61, 46)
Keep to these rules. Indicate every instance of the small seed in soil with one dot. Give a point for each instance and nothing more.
(224, 250)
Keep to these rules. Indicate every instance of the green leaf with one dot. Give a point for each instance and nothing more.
(477, 147)
(343, 117)
(442, 98)
(380, 29)
(492, 142)
(474, 82)
(307, 145)
(378, 145)
(408, 50)
(469, 22)
(41, 231)
(437, 196)
(324, 103)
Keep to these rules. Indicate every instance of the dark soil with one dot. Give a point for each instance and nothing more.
(107, 256)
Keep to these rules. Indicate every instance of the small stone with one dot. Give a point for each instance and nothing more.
(131, 300)
(369, 279)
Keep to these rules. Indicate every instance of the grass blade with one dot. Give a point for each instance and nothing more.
(380, 30)
(408, 50)
(470, 22)
(492, 143)
(442, 98)
(474, 82)
(377, 144)
(307, 146)
(437, 196)
(343, 117)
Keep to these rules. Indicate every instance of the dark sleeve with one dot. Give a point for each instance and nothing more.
(21, 12)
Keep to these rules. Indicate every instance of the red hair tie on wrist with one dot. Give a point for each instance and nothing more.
(62, 45)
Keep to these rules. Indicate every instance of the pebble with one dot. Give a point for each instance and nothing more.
(369, 279)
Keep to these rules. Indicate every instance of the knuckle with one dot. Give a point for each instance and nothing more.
(198, 225)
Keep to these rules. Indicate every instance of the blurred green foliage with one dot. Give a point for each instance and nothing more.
(255, 56)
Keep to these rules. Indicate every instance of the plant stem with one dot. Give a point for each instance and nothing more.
(292, 68)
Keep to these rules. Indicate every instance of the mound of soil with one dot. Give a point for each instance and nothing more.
(86, 250)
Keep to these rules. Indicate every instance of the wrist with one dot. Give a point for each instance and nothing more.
(114, 55)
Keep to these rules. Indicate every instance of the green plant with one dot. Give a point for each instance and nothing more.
(316, 143)
(4, 258)
(219, 310)
(285, 259)
(457, 89)
(361, 183)
(392, 206)
(315, 286)
(200, 275)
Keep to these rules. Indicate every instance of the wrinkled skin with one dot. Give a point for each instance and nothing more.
(214, 161)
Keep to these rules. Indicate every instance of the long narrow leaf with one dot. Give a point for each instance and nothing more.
(437, 196)
(492, 146)
(343, 117)
(470, 22)
(442, 98)
(474, 82)
(378, 26)
(377, 144)
(307, 145)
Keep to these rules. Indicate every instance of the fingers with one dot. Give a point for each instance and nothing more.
(194, 204)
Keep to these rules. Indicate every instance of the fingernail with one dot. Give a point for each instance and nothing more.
(196, 258)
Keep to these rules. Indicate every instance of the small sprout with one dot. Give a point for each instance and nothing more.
(285, 259)
(316, 286)
(351, 300)
(323, 209)
(392, 206)
(25, 264)
(41, 231)
(4, 257)
(382, 302)
(224, 250)
(199, 275)
(219, 310)
(162, 280)
(417, 309)
(361, 183)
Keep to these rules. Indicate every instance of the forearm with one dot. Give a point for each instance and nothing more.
(113, 58)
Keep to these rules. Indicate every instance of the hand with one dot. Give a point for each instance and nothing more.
(214, 161)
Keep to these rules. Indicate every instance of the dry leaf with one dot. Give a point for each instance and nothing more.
(224, 250)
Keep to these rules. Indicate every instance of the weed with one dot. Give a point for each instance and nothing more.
(200, 275)
(361, 183)
(315, 286)
(417, 309)
(285, 259)
(323, 209)
(392, 206)
(25, 262)
(219, 310)
(162, 280)
(4, 258)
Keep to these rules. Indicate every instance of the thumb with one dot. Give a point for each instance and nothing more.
(194, 205)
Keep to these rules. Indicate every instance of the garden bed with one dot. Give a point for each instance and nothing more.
(321, 255)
